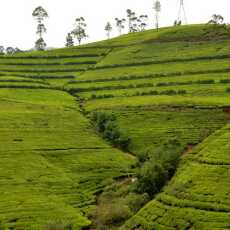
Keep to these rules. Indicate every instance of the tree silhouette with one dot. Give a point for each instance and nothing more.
(80, 30)
(142, 22)
(216, 19)
(40, 14)
(69, 40)
(157, 9)
(132, 20)
(40, 44)
(10, 50)
(2, 49)
(108, 29)
(120, 24)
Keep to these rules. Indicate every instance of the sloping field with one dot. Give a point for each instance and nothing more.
(198, 195)
(52, 163)
(167, 86)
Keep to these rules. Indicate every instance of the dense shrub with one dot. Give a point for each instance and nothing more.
(116, 204)
(106, 124)
(152, 177)
(114, 213)
(143, 156)
(158, 167)
(137, 201)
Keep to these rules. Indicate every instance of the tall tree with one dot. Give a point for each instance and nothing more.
(2, 49)
(157, 9)
(41, 29)
(120, 24)
(40, 44)
(142, 22)
(108, 29)
(80, 30)
(40, 15)
(69, 40)
(132, 20)
(10, 50)
(17, 50)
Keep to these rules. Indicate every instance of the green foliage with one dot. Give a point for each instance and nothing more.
(158, 169)
(116, 204)
(2, 226)
(115, 214)
(80, 30)
(151, 178)
(106, 124)
(137, 201)
(58, 225)
(187, 198)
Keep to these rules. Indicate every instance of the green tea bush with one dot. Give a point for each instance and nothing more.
(181, 92)
(211, 81)
(2, 227)
(224, 81)
(58, 225)
(94, 96)
(165, 92)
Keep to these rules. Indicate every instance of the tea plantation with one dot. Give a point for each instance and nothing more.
(166, 93)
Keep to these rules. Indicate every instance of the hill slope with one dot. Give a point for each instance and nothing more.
(198, 195)
(52, 163)
(170, 86)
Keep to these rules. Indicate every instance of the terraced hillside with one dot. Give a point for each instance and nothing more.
(52, 161)
(171, 86)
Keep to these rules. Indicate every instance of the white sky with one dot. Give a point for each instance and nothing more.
(18, 27)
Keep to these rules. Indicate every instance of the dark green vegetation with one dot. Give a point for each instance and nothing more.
(107, 125)
(159, 133)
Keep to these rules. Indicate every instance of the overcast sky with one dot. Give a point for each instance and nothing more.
(18, 27)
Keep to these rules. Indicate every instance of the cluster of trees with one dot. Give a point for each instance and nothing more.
(9, 50)
(79, 32)
(154, 167)
(106, 124)
(136, 23)
(217, 20)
